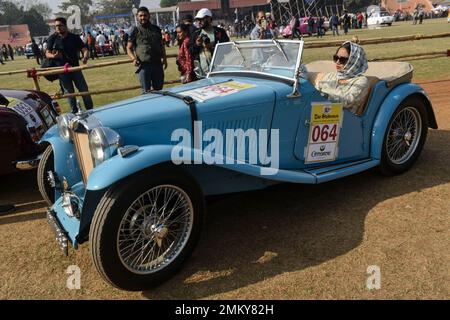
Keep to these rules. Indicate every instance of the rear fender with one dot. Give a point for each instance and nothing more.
(387, 109)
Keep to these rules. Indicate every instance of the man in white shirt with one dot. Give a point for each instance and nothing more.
(101, 41)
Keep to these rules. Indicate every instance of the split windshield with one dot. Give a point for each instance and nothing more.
(274, 58)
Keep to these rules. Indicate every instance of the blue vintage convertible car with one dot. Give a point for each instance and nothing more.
(131, 177)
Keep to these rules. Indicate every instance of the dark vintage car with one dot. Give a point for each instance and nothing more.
(25, 116)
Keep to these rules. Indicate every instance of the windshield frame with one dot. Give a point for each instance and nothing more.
(274, 42)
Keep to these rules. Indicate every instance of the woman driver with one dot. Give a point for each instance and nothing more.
(347, 84)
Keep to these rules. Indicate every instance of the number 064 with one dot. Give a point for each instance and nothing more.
(324, 133)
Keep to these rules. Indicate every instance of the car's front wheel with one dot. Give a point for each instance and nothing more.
(145, 228)
(404, 137)
(46, 164)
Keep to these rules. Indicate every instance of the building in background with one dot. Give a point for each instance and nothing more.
(410, 5)
(15, 35)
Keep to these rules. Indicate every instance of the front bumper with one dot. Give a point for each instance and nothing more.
(60, 233)
(28, 164)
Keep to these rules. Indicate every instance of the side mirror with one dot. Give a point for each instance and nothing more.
(3, 100)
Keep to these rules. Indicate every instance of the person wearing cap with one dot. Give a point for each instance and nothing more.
(261, 30)
(146, 50)
(204, 40)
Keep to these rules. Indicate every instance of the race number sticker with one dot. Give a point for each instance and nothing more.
(326, 121)
(217, 90)
(27, 112)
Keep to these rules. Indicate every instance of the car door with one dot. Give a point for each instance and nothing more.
(314, 136)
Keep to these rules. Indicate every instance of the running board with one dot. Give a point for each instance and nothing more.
(334, 172)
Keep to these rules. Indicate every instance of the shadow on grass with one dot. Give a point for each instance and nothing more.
(20, 189)
(15, 218)
(252, 236)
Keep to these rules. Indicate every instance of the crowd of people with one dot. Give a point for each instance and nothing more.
(7, 52)
(146, 43)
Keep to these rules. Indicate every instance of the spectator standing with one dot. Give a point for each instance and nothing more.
(124, 39)
(185, 61)
(64, 46)
(205, 39)
(320, 23)
(101, 41)
(261, 30)
(146, 50)
(5, 52)
(91, 46)
(294, 24)
(360, 19)
(1, 60)
(311, 23)
(11, 52)
(173, 37)
(167, 38)
(36, 51)
(114, 44)
(346, 20)
(414, 16)
(421, 14)
(334, 22)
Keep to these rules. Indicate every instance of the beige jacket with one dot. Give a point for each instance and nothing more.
(352, 94)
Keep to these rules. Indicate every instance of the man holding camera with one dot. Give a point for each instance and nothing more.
(204, 40)
(63, 47)
(261, 30)
(146, 50)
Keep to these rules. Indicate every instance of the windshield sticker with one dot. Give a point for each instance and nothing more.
(217, 90)
(326, 122)
(26, 111)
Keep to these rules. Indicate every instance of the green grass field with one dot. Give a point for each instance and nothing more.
(123, 75)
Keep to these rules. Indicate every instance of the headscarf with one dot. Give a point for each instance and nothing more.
(356, 64)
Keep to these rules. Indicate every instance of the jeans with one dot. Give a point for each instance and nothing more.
(93, 52)
(151, 76)
(335, 30)
(67, 81)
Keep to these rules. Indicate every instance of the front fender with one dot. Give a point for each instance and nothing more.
(387, 109)
(118, 168)
(65, 158)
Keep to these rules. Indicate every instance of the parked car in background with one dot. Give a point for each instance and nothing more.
(25, 116)
(29, 51)
(380, 18)
(108, 50)
(303, 28)
(131, 177)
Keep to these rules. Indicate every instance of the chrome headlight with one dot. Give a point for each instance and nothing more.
(103, 143)
(64, 125)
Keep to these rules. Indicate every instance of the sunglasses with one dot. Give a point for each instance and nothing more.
(59, 25)
(342, 60)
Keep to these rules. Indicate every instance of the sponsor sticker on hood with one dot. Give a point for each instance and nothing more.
(217, 90)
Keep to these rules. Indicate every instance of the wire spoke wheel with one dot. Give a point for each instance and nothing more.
(155, 229)
(404, 135)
